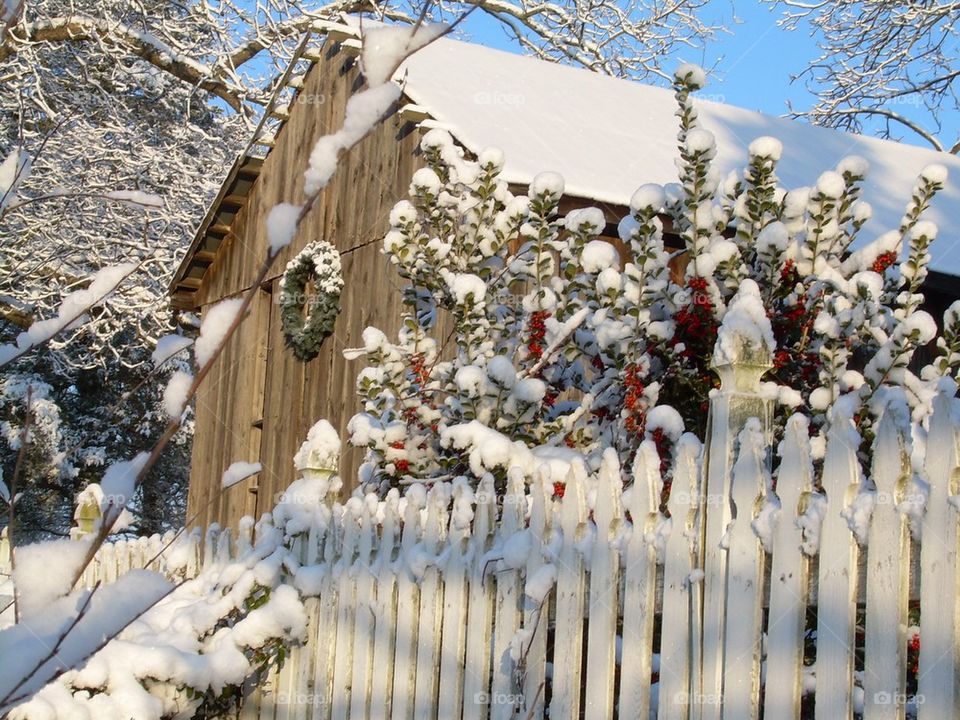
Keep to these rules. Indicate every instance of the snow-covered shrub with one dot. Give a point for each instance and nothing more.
(190, 654)
(523, 329)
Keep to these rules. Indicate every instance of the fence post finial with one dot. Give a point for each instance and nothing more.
(319, 458)
(742, 355)
(87, 515)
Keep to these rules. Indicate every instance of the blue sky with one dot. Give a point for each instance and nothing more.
(750, 66)
(741, 59)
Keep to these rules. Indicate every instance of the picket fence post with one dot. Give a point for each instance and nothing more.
(888, 562)
(536, 611)
(568, 639)
(640, 580)
(682, 591)
(604, 599)
(504, 692)
(738, 399)
(448, 611)
(431, 607)
(789, 576)
(939, 660)
(454, 630)
(479, 606)
(837, 574)
(744, 591)
(385, 610)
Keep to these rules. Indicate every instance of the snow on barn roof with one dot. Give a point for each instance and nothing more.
(608, 136)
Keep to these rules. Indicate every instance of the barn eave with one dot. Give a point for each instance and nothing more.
(239, 181)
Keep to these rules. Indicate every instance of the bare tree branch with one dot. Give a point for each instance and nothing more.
(893, 61)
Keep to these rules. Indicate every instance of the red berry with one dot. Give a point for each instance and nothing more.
(883, 262)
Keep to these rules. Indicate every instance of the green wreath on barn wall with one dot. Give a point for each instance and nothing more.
(308, 315)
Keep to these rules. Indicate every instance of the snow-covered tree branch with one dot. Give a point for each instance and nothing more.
(142, 99)
(64, 627)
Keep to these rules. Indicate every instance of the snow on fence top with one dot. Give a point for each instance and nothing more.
(460, 602)
(608, 136)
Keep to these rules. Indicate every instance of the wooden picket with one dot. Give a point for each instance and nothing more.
(507, 610)
(888, 561)
(454, 631)
(744, 603)
(789, 577)
(384, 639)
(479, 607)
(681, 591)
(428, 611)
(536, 611)
(571, 600)
(640, 576)
(431, 606)
(603, 606)
(940, 651)
(838, 576)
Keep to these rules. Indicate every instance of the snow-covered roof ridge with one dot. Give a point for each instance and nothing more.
(608, 136)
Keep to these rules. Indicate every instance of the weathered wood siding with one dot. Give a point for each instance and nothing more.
(258, 378)
(258, 382)
(228, 408)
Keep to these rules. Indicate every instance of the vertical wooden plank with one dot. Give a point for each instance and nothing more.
(195, 538)
(571, 598)
(288, 688)
(504, 692)
(888, 563)
(210, 544)
(640, 579)
(326, 624)
(408, 610)
(346, 598)
(476, 682)
(718, 461)
(837, 575)
(536, 611)
(222, 555)
(604, 599)
(789, 576)
(360, 683)
(308, 652)
(384, 641)
(250, 704)
(454, 631)
(680, 591)
(431, 607)
(266, 703)
(939, 647)
(109, 560)
(122, 558)
(745, 561)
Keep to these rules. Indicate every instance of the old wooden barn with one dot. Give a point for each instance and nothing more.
(605, 136)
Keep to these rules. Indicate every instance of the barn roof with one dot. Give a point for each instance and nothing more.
(607, 136)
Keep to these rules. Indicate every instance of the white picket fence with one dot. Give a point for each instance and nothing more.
(428, 616)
